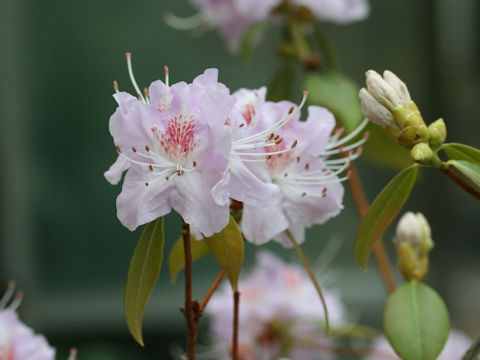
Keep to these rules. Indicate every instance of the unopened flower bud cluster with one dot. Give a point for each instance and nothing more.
(386, 101)
(413, 241)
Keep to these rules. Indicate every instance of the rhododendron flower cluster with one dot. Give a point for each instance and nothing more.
(194, 147)
(279, 314)
(17, 341)
(457, 345)
(233, 18)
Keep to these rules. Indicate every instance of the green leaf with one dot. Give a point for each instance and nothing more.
(227, 247)
(384, 151)
(416, 322)
(457, 151)
(338, 93)
(176, 259)
(470, 169)
(382, 211)
(281, 84)
(142, 275)
(250, 38)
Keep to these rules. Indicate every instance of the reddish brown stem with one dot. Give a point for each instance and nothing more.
(212, 289)
(460, 182)
(379, 251)
(190, 316)
(236, 304)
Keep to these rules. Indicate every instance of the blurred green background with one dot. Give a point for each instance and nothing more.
(60, 238)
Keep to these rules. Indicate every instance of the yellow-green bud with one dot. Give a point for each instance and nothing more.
(387, 102)
(437, 132)
(421, 153)
(413, 241)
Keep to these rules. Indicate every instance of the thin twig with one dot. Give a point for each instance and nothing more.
(379, 251)
(309, 270)
(461, 182)
(212, 289)
(236, 305)
(189, 305)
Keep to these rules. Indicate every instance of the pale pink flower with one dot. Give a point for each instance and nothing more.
(310, 189)
(338, 11)
(456, 346)
(234, 17)
(277, 302)
(175, 146)
(17, 341)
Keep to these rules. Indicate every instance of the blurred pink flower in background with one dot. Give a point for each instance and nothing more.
(233, 18)
(17, 341)
(456, 346)
(280, 313)
(338, 11)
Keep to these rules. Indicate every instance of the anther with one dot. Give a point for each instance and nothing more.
(146, 184)
(134, 149)
(298, 159)
(279, 141)
(304, 194)
(294, 144)
(305, 93)
(366, 135)
(194, 164)
(128, 54)
(147, 147)
(150, 167)
(307, 166)
(269, 157)
(119, 149)
(272, 135)
(115, 85)
(286, 174)
(165, 70)
(291, 110)
(167, 178)
(276, 137)
(145, 92)
(360, 150)
(242, 125)
(179, 172)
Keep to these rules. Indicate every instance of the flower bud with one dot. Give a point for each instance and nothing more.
(437, 132)
(413, 241)
(387, 102)
(421, 153)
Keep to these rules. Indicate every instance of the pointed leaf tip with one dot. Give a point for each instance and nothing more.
(142, 276)
(381, 213)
